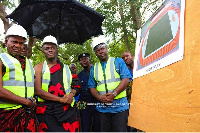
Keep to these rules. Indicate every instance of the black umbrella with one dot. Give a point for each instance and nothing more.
(67, 20)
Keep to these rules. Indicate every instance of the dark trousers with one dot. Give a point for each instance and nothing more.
(114, 122)
(131, 129)
(90, 119)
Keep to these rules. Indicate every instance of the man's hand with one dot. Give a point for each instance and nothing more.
(110, 97)
(67, 99)
(103, 98)
(106, 98)
(31, 105)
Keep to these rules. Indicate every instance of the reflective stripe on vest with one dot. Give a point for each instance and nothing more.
(13, 79)
(67, 79)
(112, 78)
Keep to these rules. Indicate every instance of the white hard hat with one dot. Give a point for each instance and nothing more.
(16, 30)
(49, 39)
(97, 40)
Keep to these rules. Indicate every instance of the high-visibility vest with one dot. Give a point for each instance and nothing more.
(14, 80)
(108, 80)
(46, 76)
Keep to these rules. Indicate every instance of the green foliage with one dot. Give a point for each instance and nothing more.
(112, 28)
(3, 49)
(37, 55)
(9, 3)
(117, 49)
(69, 53)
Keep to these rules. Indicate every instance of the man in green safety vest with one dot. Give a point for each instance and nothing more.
(16, 85)
(107, 82)
(55, 89)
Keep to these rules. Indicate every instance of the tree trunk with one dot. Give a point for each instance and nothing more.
(31, 43)
(136, 16)
(3, 15)
(124, 27)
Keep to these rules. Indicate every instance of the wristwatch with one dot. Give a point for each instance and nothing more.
(114, 93)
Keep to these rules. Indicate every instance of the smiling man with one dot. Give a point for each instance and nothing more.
(89, 115)
(128, 59)
(55, 109)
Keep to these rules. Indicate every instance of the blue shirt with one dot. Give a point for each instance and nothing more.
(85, 94)
(131, 74)
(118, 105)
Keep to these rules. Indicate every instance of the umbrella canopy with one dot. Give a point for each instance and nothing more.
(67, 20)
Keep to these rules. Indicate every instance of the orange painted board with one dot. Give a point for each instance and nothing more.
(168, 99)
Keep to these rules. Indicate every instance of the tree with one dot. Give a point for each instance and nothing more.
(3, 14)
(124, 29)
(3, 5)
(11, 4)
(122, 20)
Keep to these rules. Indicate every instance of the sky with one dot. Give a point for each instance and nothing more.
(2, 30)
(1, 23)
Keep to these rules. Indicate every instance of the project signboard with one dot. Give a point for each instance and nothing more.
(160, 41)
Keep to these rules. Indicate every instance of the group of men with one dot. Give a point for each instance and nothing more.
(101, 88)
(50, 82)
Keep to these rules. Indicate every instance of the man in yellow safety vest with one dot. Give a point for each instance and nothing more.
(55, 89)
(107, 82)
(16, 85)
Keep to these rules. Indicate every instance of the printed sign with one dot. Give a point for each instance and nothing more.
(160, 41)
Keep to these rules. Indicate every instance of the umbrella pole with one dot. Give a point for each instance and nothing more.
(58, 30)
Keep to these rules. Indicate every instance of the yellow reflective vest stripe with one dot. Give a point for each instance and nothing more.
(14, 80)
(67, 79)
(108, 81)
